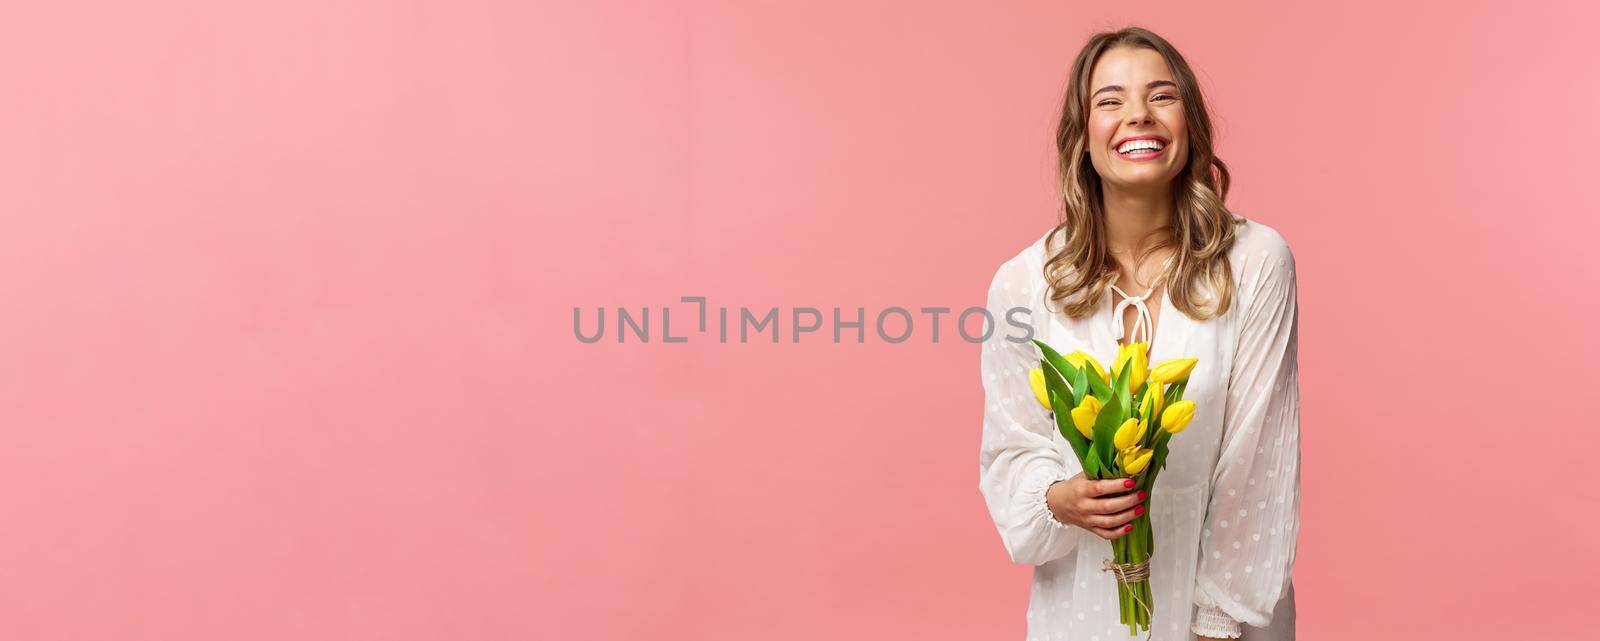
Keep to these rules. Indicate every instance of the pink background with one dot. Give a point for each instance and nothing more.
(287, 342)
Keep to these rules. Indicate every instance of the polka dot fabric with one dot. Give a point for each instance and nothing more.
(1225, 511)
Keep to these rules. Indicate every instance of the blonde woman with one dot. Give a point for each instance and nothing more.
(1147, 251)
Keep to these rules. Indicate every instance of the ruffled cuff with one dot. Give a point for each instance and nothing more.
(1038, 506)
(1211, 621)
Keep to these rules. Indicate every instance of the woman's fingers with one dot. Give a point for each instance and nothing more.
(1117, 520)
(1112, 533)
(1111, 504)
(1112, 486)
(1115, 504)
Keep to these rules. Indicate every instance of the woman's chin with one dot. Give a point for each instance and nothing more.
(1144, 181)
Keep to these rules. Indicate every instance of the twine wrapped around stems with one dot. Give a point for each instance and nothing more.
(1133, 573)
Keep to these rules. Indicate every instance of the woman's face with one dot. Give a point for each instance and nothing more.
(1138, 139)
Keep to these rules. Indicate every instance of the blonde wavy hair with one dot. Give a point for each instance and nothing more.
(1203, 229)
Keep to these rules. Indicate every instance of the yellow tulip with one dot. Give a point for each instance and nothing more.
(1136, 464)
(1141, 367)
(1129, 453)
(1177, 416)
(1036, 381)
(1079, 357)
(1174, 371)
(1084, 415)
(1136, 356)
(1130, 434)
(1154, 399)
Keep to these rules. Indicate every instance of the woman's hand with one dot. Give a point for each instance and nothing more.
(1104, 507)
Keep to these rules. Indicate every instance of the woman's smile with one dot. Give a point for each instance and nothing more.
(1139, 148)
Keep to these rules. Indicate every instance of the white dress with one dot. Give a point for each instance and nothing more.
(1225, 511)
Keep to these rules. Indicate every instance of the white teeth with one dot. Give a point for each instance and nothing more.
(1134, 145)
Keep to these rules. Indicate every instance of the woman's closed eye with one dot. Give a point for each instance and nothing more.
(1112, 102)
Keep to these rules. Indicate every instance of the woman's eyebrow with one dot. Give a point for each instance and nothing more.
(1150, 85)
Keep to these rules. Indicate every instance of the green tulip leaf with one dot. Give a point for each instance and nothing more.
(1053, 380)
(1121, 386)
(1159, 459)
(1097, 386)
(1105, 429)
(1175, 392)
(1080, 383)
(1058, 398)
(1053, 360)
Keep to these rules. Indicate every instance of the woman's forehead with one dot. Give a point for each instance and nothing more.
(1125, 65)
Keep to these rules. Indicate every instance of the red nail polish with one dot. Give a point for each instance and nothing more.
(1127, 483)
(1142, 495)
(1128, 529)
(1138, 510)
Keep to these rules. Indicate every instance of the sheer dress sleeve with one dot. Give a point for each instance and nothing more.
(1018, 458)
(1248, 541)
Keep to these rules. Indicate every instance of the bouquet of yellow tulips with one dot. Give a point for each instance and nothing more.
(1119, 425)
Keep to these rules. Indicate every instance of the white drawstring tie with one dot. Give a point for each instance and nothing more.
(1142, 327)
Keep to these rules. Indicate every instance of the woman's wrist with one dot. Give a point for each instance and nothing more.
(1052, 498)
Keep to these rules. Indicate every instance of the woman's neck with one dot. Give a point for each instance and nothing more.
(1131, 217)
